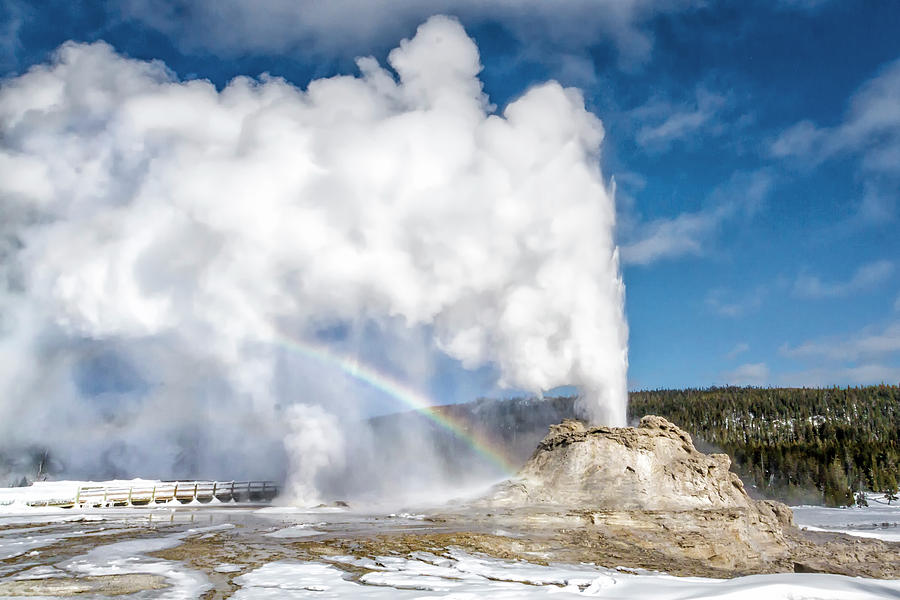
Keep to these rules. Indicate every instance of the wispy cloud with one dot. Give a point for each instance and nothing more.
(870, 128)
(877, 205)
(865, 277)
(661, 122)
(747, 374)
(686, 234)
(234, 27)
(666, 238)
(724, 303)
(864, 357)
(737, 350)
(867, 374)
(872, 343)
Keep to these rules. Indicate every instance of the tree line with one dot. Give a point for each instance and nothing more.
(798, 444)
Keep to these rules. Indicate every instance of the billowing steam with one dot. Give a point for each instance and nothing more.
(315, 442)
(158, 236)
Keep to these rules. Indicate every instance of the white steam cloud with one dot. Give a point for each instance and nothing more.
(315, 442)
(156, 233)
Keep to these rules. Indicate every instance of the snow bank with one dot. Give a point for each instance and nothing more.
(43, 493)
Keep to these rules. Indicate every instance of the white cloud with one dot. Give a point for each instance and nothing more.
(870, 343)
(865, 357)
(234, 27)
(864, 278)
(866, 374)
(747, 374)
(870, 128)
(667, 238)
(737, 350)
(730, 304)
(687, 233)
(877, 205)
(661, 122)
(802, 139)
(187, 231)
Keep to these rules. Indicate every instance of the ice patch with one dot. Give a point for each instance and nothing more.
(228, 568)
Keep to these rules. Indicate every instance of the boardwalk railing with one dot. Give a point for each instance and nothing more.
(163, 492)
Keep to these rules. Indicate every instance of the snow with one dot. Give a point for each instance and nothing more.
(28, 540)
(454, 575)
(17, 499)
(13, 546)
(130, 557)
(462, 576)
(295, 531)
(879, 521)
(890, 536)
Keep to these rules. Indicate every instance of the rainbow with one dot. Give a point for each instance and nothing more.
(401, 392)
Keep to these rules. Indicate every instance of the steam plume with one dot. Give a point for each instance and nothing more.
(155, 232)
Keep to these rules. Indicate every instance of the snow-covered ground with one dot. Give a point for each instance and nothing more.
(457, 575)
(130, 557)
(26, 534)
(18, 499)
(464, 576)
(878, 520)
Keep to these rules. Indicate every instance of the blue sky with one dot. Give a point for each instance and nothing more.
(756, 151)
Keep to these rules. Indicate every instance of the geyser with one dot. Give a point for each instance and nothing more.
(156, 232)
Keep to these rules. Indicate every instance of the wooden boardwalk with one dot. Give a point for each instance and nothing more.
(183, 492)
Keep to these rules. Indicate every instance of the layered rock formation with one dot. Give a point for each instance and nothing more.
(646, 497)
(652, 467)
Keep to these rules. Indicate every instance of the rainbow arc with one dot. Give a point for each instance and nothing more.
(403, 393)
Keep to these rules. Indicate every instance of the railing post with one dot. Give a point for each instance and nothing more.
(153, 496)
(78, 496)
(175, 492)
(196, 485)
(130, 490)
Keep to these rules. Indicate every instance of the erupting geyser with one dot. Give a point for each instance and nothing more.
(156, 232)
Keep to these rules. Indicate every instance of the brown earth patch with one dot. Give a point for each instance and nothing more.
(107, 585)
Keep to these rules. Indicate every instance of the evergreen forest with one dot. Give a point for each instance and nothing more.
(796, 444)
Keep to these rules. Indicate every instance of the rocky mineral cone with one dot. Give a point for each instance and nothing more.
(651, 467)
(644, 496)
